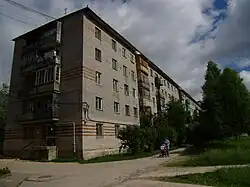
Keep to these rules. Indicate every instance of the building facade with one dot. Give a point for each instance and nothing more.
(72, 89)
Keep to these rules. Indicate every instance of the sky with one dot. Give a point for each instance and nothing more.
(180, 36)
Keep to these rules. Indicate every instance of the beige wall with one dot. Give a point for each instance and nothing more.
(105, 89)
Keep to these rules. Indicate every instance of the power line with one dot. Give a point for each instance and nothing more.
(27, 23)
(28, 8)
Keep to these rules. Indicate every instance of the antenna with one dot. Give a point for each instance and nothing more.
(65, 11)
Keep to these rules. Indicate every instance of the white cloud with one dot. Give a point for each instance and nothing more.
(162, 29)
(246, 77)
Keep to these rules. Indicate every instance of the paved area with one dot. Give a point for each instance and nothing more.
(35, 174)
(130, 173)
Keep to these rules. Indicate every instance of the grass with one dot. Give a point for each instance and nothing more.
(228, 152)
(233, 177)
(107, 158)
(4, 171)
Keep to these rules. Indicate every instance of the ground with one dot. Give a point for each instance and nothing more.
(130, 173)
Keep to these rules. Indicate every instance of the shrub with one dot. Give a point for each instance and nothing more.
(4, 171)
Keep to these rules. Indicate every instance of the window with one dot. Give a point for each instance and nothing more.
(168, 85)
(164, 82)
(117, 127)
(169, 96)
(116, 107)
(99, 130)
(153, 101)
(133, 92)
(115, 85)
(125, 70)
(132, 58)
(46, 75)
(126, 90)
(114, 46)
(133, 75)
(98, 33)
(98, 55)
(124, 52)
(151, 72)
(114, 64)
(98, 103)
(135, 112)
(153, 88)
(127, 112)
(98, 77)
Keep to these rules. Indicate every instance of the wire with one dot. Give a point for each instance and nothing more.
(28, 8)
(17, 19)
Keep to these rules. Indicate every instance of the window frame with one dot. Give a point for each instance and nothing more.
(116, 107)
(98, 55)
(125, 70)
(99, 103)
(126, 89)
(114, 61)
(98, 33)
(114, 44)
(135, 112)
(115, 85)
(127, 110)
(98, 77)
(99, 130)
(124, 52)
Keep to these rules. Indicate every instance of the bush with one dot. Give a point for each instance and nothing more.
(4, 171)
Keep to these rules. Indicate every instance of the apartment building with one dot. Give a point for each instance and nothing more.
(75, 81)
(73, 85)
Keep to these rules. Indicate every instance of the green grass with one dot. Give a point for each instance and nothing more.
(4, 171)
(226, 177)
(228, 152)
(107, 158)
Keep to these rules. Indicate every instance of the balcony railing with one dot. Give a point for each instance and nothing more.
(42, 114)
(144, 84)
(27, 68)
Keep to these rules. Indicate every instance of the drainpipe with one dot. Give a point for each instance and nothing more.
(74, 138)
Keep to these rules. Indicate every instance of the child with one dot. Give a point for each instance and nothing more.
(163, 150)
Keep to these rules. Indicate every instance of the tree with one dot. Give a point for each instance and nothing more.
(235, 103)
(211, 117)
(4, 92)
(177, 119)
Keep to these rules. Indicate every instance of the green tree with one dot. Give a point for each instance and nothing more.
(177, 119)
(211, 117)
(4, 92)
(235, 103)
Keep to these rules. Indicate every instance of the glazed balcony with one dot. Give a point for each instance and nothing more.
(50, 114)
(34, 65)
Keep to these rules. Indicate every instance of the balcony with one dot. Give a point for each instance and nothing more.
(144, 69)
(46, 38)
(144, 84)
(25, 117)
(49, 114)
(33, 66)
(50, 87)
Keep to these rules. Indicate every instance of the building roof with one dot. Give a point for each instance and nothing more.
(105, 26)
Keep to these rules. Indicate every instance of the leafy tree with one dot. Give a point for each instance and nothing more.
(235, 103)
(177, 119)
(4, 92)
(211, 119)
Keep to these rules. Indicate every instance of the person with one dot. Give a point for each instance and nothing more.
(163, 150)
(167, 143)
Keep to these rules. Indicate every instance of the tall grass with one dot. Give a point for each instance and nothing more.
(227, 152)
(233, 177)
